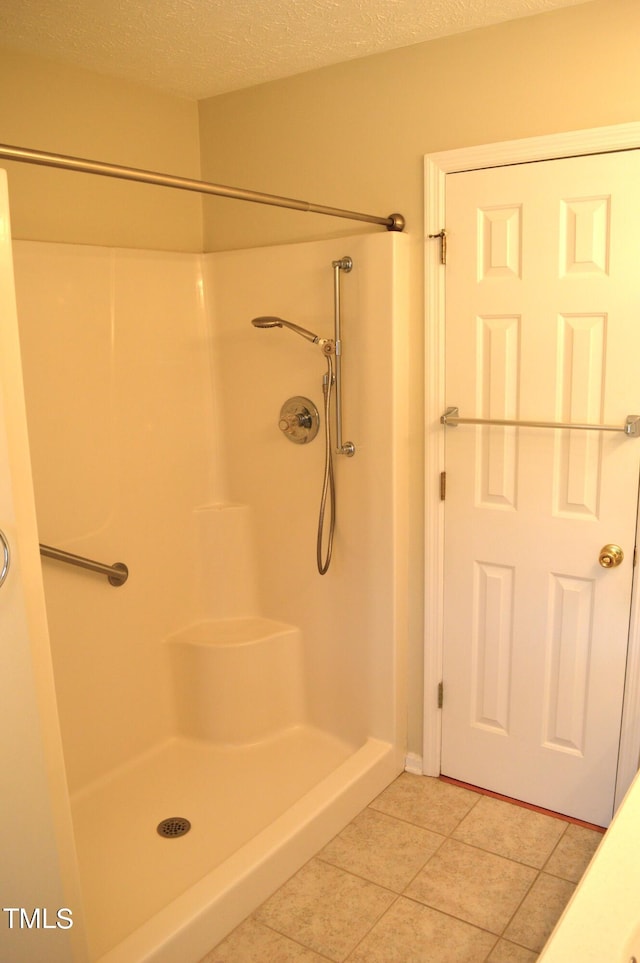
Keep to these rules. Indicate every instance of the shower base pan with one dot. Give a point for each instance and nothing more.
(256, 814)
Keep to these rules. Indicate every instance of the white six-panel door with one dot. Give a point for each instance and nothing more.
(542, 323)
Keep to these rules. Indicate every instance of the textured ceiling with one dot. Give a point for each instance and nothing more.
(198, 48)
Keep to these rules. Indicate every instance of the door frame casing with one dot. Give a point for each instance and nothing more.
(436, 168)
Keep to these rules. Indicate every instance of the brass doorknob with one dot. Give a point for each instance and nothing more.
(610, 556)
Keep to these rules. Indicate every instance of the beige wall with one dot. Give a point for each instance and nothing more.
(355, 135)
(49, 106)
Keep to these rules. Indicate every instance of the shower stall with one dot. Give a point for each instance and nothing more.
(226, 710)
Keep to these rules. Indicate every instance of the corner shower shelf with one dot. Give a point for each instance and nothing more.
(237, 681)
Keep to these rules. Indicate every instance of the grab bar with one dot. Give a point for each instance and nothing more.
(451, 419)
(118, 573)
(7, 557)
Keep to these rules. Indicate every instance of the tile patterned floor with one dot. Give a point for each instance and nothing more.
(430, 872)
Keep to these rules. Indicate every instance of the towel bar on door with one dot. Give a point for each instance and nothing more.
(451, 419)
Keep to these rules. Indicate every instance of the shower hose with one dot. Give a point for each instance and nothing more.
(328, 485)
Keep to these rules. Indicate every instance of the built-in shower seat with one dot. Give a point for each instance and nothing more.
(237, 680)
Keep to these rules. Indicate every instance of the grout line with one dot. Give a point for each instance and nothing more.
(523, 805)
(364, 879)
(519, 907)
(490, 953)
(403, 894)
(293, 939)
(477, 926)
(418, 902)
(419, 825)
(409, 821)
(543, 869)
(424, 865)
(371, 928)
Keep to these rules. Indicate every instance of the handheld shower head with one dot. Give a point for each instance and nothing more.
(266, 322)
(270, 322)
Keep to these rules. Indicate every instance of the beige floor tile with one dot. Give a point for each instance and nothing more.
(511, 831)
(252, 942)
(540, 911)
(412, 933)
(473, 885)
(506, 952)
(325, 909)
(383, 849)
(427, 802)
(573, 853)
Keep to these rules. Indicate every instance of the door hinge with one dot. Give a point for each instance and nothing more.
(443, 485)
(443, 244)
(440, 694)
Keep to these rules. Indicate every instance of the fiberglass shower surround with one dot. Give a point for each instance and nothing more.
(394, 222)
(231, 689)
(261, 712)
(331, 388)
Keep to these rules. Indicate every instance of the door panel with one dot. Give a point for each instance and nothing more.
(36, 842)
(542, 324)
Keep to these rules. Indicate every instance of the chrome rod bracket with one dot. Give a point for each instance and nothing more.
(120, 575)
(343, 264)
(632, 425)
(450, 413)
(396, 222)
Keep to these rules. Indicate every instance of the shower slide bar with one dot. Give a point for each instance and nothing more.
(26, 155)
(343, 264)
(451, 419)
(118, 573)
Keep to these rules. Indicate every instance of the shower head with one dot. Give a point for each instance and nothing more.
(266, 322)
(269, 322)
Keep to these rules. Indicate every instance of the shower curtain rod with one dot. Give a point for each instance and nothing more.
(394, 222)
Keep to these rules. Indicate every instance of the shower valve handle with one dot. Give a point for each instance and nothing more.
(299, 420)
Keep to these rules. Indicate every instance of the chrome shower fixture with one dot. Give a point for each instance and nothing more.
(270, 322)
(290, 421)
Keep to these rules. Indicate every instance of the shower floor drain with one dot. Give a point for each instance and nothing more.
(174, 826)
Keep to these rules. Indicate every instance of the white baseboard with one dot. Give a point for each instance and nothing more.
(413, 763)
